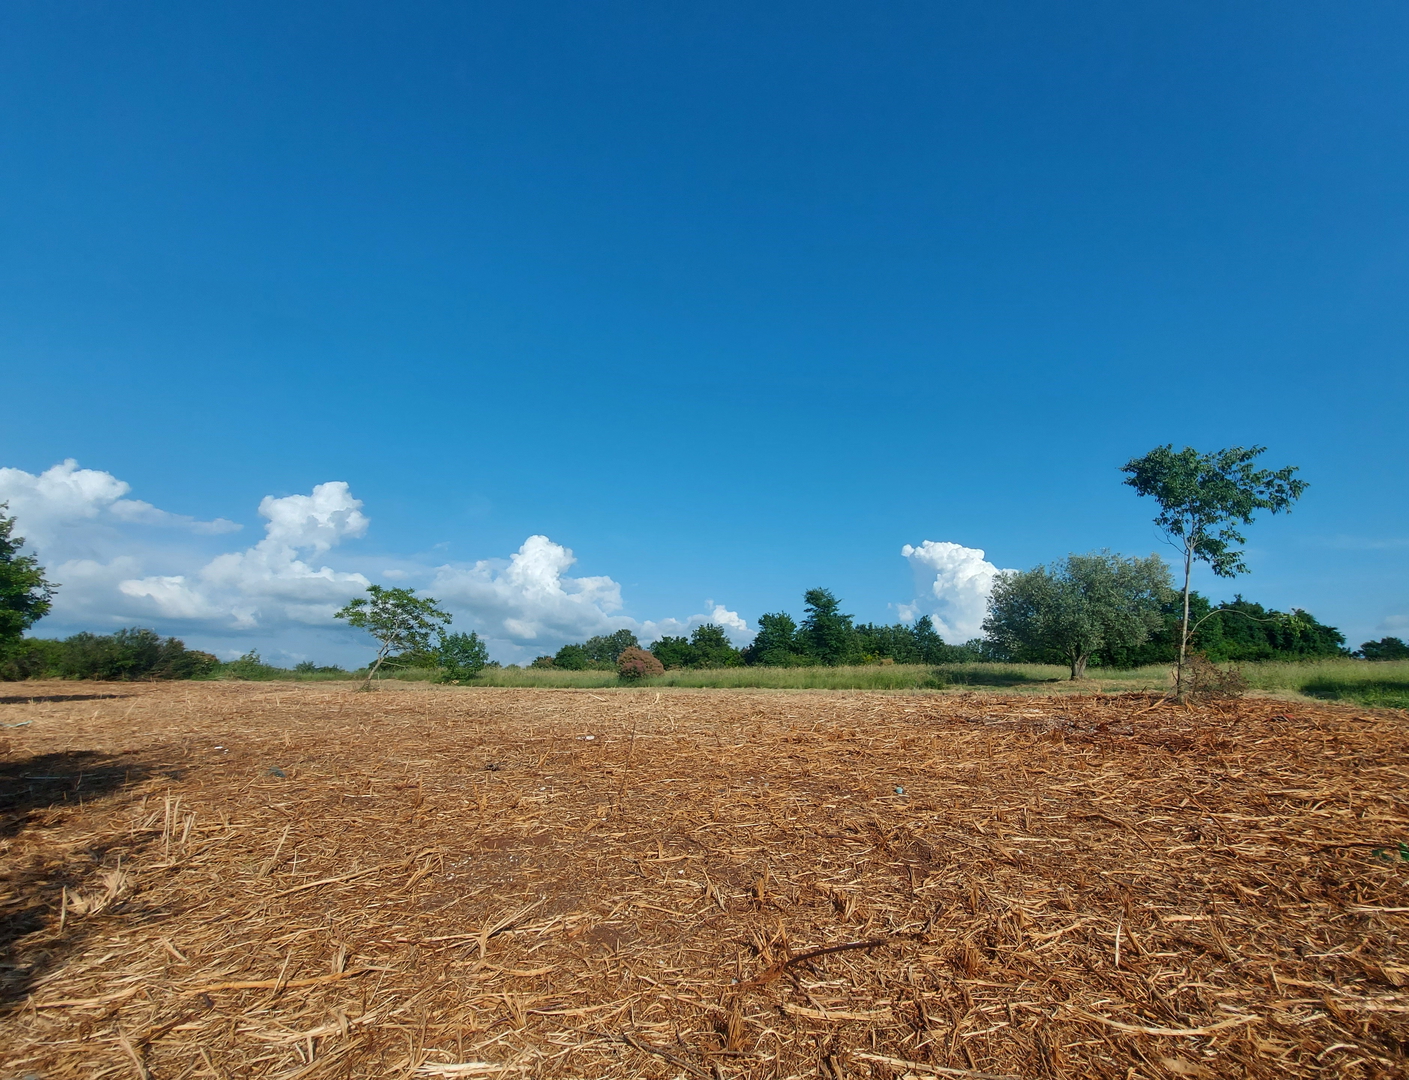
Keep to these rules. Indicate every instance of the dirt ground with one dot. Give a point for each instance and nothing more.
(297, 880)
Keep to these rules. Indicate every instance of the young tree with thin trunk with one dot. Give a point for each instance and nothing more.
(1203, 498)
(400, 620)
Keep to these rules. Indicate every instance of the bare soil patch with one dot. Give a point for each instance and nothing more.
(292, 880)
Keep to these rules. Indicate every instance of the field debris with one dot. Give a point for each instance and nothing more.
(481, 882)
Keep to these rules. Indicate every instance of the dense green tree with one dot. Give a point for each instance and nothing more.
(135, 653)
(398, 619)
(673, 652)
(1073, 609)
(461, 656)
(712, 648)
(598, 653)
(573, 658)
(31, 658)
(876, 642)
(706, 647)
(308, 667)
(1203, 498)
(1249, 631)
(1387, 648)
(932, 648)
(1234, 631)
(776, 644)
(25, 594)
(935, 650)
(827, 635)
(604, 649)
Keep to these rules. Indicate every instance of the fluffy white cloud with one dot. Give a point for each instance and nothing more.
(738, 630)
(530, 598)
(279, 595)
(66, 507)
(952, 586)
(531, 604)
(269, 583)
(318, 521)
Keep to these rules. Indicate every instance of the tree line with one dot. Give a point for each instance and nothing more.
(825, 636)
(1098, 608)
(1132, 623)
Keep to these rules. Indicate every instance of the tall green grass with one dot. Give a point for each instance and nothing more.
(1382, 685)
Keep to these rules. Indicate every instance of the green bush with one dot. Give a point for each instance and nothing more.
(29, 658)
(134, 653)
(248, 668)
(461, 657)
(706, 647)
(308, 667)
(1389, 648)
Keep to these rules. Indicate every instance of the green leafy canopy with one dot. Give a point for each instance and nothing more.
(25, 594)
(400, 620)
(1204, 497)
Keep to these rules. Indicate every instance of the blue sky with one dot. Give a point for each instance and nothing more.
(730, 300)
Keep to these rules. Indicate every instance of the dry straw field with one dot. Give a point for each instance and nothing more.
(276, 880)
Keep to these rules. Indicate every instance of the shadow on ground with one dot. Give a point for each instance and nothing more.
(1378, 693)
(34, 877)
(35, 699)
(943, 678)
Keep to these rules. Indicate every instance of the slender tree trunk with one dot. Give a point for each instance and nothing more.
(1184, 624)
(372, 671)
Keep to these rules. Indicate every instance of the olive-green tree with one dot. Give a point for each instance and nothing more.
(461, 657)
(776, 644)
(1076, 608)
(1203, 498)
(400, 620)
(827, 635)
(25, 594)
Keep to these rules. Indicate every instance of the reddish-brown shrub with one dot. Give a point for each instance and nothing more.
(636, 664)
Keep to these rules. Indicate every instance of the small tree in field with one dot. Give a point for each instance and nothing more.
(1203, 498)
(400, 620)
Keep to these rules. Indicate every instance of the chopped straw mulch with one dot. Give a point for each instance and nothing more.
(298, 881)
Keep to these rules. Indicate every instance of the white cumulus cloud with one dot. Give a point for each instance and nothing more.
(952, 586)
(73, 509)
(114, 569)
(317, 521)
(531, 598)
(732, 623)
(270, 582)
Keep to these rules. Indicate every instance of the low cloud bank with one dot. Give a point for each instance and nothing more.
(952, 586)
(66, 507)
(269, 585)
(280, 594)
